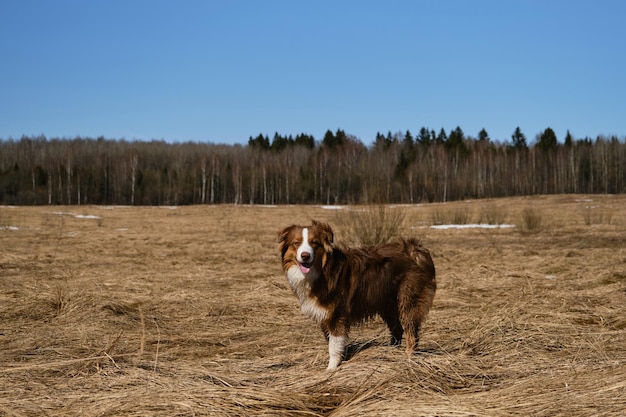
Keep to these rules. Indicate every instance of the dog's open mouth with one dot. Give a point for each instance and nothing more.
(305, 267)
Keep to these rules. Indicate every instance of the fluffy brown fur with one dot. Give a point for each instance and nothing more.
(341, 286)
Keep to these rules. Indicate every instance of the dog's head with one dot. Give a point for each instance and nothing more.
(307, 247)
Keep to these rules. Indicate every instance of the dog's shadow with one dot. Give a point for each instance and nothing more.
(355, 347)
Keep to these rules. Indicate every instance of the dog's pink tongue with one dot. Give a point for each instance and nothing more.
(304, 269)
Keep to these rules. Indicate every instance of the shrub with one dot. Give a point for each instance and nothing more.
(375, 224)
(461, 215)
(493, 214)
(438, 216)
(531, 220)
(593, 215)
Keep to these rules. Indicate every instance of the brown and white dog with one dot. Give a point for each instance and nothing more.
(340, 286)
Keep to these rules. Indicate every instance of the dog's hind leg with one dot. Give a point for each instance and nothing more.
(411, 338)
(395, 327)
(413, 311)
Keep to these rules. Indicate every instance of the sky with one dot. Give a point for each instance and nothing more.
(221, 71)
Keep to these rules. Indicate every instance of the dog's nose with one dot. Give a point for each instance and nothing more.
(305, 256)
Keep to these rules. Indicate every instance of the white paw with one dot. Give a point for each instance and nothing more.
(332, 368)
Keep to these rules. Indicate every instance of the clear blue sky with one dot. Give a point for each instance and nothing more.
(221, 71)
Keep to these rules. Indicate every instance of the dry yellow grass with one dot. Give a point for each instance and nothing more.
(184, 311)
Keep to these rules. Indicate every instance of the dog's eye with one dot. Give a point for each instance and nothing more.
(315, 243)
(295, 243)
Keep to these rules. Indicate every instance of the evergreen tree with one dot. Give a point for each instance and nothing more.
(408, 139)
(568, 139)
(280, 142)
(547, 140)
(329, 139)
(424, 137)
(456, 141)
(389, 138)
(483, 136)
(340, 137)
(379, 140)
(383, 142)
(456, 138)
(261, 142)
(334, 140)
(519, 139)
(305, 140)
(442, 137)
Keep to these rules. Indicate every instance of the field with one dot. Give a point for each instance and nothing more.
(184, 311)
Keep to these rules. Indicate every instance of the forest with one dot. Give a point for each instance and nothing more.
(338, 169)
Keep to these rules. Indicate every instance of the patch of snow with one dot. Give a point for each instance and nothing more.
(9, 228)
(471, 226)
(86, 216)
(76, 216)
(551, 276)
(333, 207)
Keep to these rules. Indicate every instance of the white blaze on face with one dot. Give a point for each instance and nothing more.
(305, 246)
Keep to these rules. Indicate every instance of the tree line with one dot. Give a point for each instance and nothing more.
(397, 167)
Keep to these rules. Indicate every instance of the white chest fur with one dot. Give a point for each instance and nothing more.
(301, 286)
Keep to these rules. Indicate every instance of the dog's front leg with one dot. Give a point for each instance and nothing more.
(336, 347)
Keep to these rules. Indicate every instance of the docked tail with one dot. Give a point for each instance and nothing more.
(421, 255)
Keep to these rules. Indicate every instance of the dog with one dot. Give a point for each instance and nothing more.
(339, 286)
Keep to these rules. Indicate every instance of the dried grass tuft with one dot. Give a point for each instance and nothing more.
(493, 213)
(531, 220)
(370, 225)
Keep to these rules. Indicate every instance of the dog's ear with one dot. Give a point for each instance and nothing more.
(283, 238)
(326, 234)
